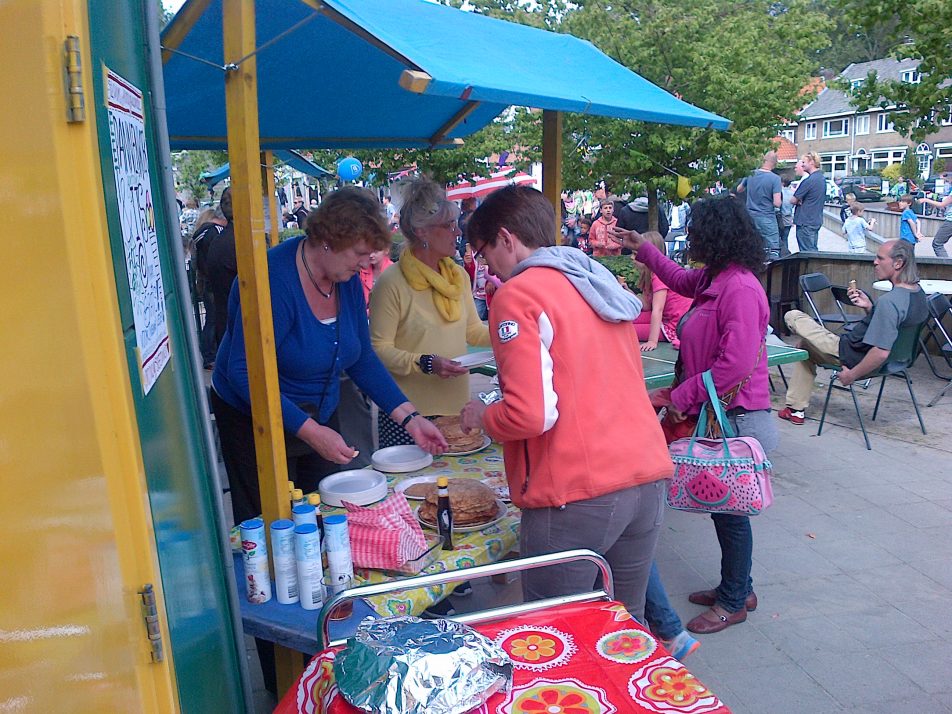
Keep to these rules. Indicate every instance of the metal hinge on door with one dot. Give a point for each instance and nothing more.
(151, 617)
(73, 80)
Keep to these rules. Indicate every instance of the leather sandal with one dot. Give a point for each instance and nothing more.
(715, 620)
(708, 598)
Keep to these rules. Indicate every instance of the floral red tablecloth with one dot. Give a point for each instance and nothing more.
(589, 658)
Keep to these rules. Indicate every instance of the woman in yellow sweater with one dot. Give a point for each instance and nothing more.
(422, 312)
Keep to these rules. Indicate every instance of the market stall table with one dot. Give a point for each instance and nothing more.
(929, 286)
(296, 628)
(588, 657)
(659, 363)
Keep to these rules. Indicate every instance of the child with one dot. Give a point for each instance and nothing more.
(909, 223)
(600, 238)
(666, 306)
(479, 288)
(855, 228)
(585, 225)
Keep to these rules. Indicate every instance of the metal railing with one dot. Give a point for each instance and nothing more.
(607, 592)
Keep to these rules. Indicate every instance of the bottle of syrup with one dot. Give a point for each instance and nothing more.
(444, 514)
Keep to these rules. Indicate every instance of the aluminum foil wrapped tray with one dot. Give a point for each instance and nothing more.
(406, 665)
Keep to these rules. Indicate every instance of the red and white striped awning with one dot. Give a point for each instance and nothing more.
(486, 186)
(523, 179)
(459, 191)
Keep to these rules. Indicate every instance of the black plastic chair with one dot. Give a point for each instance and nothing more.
(814, 283)
(939, 307)
(903, 353)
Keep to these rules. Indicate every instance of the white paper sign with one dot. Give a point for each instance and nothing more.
(130, 161)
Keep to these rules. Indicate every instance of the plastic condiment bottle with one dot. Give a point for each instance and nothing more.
(314, 499)
(444, 514)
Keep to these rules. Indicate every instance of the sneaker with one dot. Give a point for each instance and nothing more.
(794, 417)
(463, 590)
(681, 646)
(438, 611)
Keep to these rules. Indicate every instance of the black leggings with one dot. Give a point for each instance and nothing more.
(306, 467)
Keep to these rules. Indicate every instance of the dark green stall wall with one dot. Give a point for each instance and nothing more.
(203, 643)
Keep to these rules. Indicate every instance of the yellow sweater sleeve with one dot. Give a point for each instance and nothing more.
(390, 302)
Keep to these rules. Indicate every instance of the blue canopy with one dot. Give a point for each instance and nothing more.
(332, 78)
(291, 158)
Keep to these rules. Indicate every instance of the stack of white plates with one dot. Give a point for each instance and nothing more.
(401, 459)
(475, 359)
(360, 487)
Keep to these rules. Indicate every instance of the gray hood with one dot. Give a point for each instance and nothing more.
(594, 281)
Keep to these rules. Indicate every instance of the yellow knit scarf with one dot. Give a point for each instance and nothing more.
(447, 285)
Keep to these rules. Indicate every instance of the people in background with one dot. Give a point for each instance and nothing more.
(663, 308)
(909, 230)
(945, 231)
(856, 228)
(600, 234)
(763, 199)
(809, 199)
(864, 346)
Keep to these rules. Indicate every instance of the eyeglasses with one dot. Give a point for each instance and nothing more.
(478, 253)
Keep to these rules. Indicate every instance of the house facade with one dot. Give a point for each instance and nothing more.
(854, 143)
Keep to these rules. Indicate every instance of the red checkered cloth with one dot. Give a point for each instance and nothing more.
(385, 536)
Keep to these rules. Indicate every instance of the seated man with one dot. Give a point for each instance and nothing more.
(864, 346)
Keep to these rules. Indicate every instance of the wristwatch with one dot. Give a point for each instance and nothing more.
(426, 363)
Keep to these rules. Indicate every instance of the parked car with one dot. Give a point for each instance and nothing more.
(865, 188)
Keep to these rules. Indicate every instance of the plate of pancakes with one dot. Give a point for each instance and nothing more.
(461, 443)
(474, 505)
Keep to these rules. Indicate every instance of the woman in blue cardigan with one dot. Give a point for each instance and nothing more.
(320, 331)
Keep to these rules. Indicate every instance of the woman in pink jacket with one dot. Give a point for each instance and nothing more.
(724, 333)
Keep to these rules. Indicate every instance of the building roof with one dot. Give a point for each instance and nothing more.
(347, 59)
(832, 102)
(786, 149)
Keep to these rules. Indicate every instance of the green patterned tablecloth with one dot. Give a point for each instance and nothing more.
(488, 545)
(478, 548)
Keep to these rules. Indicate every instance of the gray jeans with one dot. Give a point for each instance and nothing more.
(768, 229)
(807, 237)
(622, 526)
(941, 238)
(760, 424)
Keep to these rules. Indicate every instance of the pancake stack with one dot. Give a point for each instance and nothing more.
(472, 502)
(458, 440)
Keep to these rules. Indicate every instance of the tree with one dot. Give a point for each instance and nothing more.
(517, 131)
(851, 42)
(927, 26)
(189, 166)
(717, 55)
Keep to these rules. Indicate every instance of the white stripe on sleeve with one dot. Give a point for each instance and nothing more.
(550, 399)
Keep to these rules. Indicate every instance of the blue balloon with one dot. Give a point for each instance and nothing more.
(349, 169)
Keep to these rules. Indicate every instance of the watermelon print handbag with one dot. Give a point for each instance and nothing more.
(729, 474)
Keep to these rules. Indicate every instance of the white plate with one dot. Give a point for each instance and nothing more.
(486, 442)
(401, 459)
(475, 359)
(406, 483)
(359, 486)
(500, 514)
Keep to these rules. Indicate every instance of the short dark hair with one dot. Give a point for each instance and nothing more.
(346, 217)
(721, 234)
(523, 211)
(907, 198)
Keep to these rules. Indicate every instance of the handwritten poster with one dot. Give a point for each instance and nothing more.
(130, 161)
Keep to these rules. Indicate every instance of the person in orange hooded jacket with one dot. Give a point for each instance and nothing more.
(585, 456)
